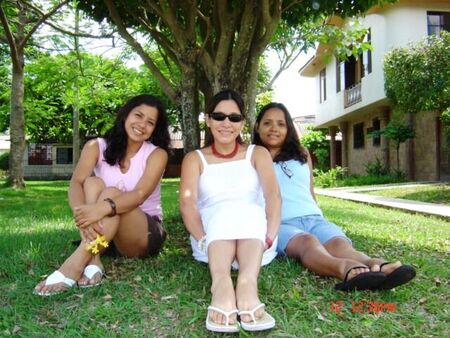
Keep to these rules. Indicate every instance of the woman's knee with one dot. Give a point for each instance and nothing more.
(337, 245)
(298, 245)
(93, 183)
(109, 192)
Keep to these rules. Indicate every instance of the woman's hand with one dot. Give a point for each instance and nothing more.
(88, 214)
(89, 233)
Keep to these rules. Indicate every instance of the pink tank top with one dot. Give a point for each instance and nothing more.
(113, 177)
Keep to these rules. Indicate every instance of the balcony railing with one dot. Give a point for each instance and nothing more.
(352, 95)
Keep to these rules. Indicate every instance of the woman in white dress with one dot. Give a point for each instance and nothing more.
(229, 222)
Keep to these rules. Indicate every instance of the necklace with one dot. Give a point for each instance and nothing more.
(230, 155)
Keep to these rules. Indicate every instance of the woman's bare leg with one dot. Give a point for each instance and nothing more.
(340, 247)
(221, 254)
(315, 257)
(249, 255)
(92, 187)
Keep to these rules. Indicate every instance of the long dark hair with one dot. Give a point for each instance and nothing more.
(291, 148)
(116, 138)
(224, 95)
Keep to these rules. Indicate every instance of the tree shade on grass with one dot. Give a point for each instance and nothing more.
(167, 296)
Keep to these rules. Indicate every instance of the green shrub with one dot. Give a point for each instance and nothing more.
(4, 161)
(376, 168)
(360, 180)
(329, 178)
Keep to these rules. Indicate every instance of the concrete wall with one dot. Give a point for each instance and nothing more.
(358, 158)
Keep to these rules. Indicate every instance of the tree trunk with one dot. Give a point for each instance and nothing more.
(189, 109)
(17, 125)
(409, 150)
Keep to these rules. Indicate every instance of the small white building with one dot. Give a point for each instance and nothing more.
(5, 143)
(351, 97)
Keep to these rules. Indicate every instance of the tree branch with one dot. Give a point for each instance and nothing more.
(166, 86)
(42, 19)
(9, 37)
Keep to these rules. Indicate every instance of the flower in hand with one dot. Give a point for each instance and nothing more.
(93, 246)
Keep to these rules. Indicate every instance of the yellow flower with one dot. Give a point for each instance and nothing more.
(94, 245)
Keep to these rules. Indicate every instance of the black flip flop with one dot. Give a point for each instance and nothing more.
(364, 281)
(399, 276)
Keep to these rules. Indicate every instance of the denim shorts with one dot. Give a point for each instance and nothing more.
(315, 225)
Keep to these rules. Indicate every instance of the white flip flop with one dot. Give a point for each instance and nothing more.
(265, 322)
(89, 272)
(55, 278)
(217, 327)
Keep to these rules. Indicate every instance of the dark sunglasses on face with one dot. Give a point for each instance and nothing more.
(218, 116)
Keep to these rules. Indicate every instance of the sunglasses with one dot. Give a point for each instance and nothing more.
(218, 116)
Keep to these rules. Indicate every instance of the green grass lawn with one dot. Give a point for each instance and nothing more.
(439, 193)
(167, 296)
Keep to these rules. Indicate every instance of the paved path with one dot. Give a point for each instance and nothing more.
(357, 195)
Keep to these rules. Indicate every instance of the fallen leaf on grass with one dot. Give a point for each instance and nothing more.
(107, 298)
(168, 297)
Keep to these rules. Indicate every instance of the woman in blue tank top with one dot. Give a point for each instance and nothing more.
(305, 234)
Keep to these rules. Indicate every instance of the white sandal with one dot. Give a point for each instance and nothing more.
(89, 272)
(266, 321)
(217, 327)
(55, 278)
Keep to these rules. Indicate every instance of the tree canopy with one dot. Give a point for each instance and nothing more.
(417, 77)
(215, 44)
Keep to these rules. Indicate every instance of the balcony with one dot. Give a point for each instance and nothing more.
(352, 95)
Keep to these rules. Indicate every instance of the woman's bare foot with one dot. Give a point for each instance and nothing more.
(97, 277)
(350, 269)
(247, 298)
(223, 297)
(70, 272)
(375, 264)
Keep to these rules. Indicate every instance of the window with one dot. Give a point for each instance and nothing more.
(64, 155)
(39, 154)
(437, 22)
(340, 75)
(323, 85)
(367, 56)
(376, 141)
(358, 135)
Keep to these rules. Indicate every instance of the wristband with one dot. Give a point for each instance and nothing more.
(201, 244)
(269, 242)
(113, 206)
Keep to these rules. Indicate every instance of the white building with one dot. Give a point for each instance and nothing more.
(352, 100)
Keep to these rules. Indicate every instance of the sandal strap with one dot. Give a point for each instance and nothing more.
(355, 267)
(383, 264)
(226, 314)
(91, 270)
(58, 277)
(252, 311)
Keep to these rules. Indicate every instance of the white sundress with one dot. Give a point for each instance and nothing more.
(230, 204)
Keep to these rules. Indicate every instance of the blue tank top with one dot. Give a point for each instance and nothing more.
(294, 181)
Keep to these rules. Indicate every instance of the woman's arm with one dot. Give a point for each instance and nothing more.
(83, 169)
(311, 176)
(190, 173)
(126, 201)
(264, 166)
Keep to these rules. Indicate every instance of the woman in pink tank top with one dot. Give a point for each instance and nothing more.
(120, 206)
